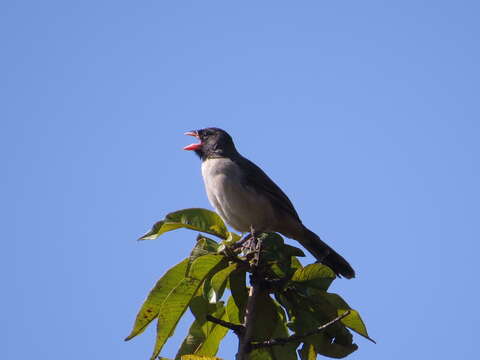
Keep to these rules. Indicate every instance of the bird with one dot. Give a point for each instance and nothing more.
(245, 197)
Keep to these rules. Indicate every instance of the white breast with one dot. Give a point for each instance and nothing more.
(239, 206)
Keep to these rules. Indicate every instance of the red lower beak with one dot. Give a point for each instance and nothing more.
(193, 146)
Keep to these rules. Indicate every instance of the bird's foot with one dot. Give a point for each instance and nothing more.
(243, 242)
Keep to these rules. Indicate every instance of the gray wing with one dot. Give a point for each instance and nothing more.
(258, 180)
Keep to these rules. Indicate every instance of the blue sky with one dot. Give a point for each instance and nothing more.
(365, 112)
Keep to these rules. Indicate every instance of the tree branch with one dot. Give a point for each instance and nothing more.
(244, 345)
(237, 329)
(295, 338)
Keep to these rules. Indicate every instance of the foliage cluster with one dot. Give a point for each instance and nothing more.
(294, 298)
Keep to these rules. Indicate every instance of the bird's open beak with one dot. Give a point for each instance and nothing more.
(193, 146)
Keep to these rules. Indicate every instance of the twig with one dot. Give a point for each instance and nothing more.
(234, 258)
(237, 329)
(295, 338)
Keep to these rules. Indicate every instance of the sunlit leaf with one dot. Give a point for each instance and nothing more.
(307, 352)
(208, 292)
(202, 266)
(192, 341)
(353, 320)
(215, 334)
(195, 219)
(315, 275)
(203, 246)
(302, 305)
(296, 264)
(179, 298)
(219, 280)
(232, 237)
(158, 294)
(203, 337)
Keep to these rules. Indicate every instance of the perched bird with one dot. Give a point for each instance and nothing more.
(244, 196)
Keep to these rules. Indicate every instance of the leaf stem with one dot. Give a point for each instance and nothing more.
(237, 329)
(295, 338)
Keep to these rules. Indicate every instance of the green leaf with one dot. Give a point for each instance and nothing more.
(232, 237)
(335, 341)
(238, 288)
(232, 312)
(204, 337)
(307, 352)
(192, 341)
(214, 335)
(353, 320)
(287, 351)
(273, 247)
(208, 292)
(219, 280)
(296, 264)
(158, 294)
(315, 275)
(203, 246)
(265, 314)
(334, 348)
(202, 266)
(179, 298)
(268, 318)
(197, 357)
(195, 219)
(307, 313)
(261, 354)
(172, 310)
(276, 255)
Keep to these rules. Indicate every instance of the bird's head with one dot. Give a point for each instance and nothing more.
(214, 142)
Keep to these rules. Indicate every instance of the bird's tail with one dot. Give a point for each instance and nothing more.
(325, 254)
